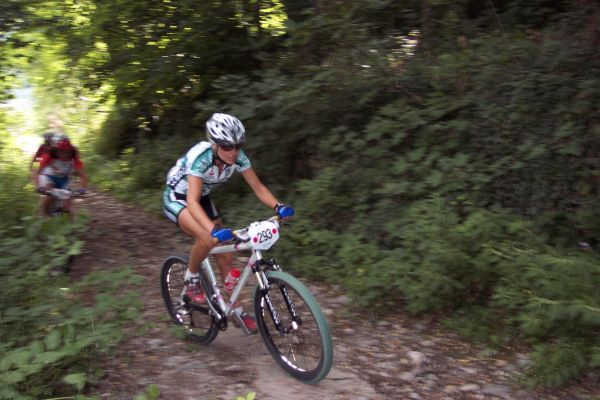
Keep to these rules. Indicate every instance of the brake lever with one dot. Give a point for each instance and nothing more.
(237, 240)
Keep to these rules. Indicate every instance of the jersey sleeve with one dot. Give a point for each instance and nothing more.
(242, 162)
(77, 163)
(45, 161)
(201, 164)
(40, 151)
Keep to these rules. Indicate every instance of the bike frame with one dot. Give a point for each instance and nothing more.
(288, 317)
(252, 267)
(227, 307)
(57, 209)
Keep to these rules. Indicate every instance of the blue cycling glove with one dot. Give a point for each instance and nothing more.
(222, 234)
(284, 211)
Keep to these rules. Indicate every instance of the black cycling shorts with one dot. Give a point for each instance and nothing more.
(174, 203)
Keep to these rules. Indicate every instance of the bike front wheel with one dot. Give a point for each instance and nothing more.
(294, 328)
(195, 318)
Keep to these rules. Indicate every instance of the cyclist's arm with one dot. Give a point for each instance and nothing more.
(44, 162)
(193, 203)
(259, 188)
(33, 173)
(35, 176)
(82, 175)
(78, 165)
(37, 156)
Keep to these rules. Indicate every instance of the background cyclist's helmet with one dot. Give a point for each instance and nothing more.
(225, 130)
(58, 138)
(64, 144)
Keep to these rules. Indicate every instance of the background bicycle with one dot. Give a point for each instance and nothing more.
(62, 236)
(59, 197)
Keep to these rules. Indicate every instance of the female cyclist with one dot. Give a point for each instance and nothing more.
(187, 202)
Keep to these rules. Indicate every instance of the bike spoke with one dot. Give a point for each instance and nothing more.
(300, 344)
(194, 318)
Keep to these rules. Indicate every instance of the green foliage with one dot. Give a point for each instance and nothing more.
(47, 337)
(441, 154)
(152, 393)
(17, 197)
(481, 324)
(558, 362)
(249, 396)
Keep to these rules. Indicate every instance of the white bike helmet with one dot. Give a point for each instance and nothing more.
(58, 138)
(225, 130)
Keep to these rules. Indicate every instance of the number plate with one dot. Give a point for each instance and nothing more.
(263, 235)
(61, 194)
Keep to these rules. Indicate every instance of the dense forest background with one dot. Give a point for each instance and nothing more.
(443, 156)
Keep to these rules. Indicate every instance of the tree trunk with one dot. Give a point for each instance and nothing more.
(257, 17)
(425, 25)
(592, 34)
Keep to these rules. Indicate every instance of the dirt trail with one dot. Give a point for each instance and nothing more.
(397, 357)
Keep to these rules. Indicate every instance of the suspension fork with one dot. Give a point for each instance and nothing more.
(290, 306)
(265, 287)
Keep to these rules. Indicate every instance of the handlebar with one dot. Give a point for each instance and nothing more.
(240, 234)
(61, 193)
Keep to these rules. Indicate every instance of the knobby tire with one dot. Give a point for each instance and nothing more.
(195, 318)
(306, 352)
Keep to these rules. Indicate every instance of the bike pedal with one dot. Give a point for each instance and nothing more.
(222, 324)
(182, 311)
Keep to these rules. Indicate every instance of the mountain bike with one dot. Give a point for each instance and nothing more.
(289, 318)
(57, 211)
(58, 197)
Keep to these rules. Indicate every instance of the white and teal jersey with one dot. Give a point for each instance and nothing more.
(198, 161)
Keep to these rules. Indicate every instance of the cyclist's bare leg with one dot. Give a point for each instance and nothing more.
(47, 201)
(225, 262)
(201, 237)
(202, 245)
(67, 208)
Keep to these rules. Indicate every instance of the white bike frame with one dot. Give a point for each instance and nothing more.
(58, 198)
(256, 257)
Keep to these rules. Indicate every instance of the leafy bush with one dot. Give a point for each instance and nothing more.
(48, 339)
(559, 361)
(455, 175)
(17, 197)
(487, 269)
(51, 329)
(139, 175)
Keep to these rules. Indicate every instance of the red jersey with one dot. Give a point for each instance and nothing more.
(42, 150)
(57, 167)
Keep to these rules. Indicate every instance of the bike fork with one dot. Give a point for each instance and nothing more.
(265, 287)
(296, 321)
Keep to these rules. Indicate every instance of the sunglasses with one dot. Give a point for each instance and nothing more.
(230, 148)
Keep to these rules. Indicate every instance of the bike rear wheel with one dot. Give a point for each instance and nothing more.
(303, 348)
(195, 318)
